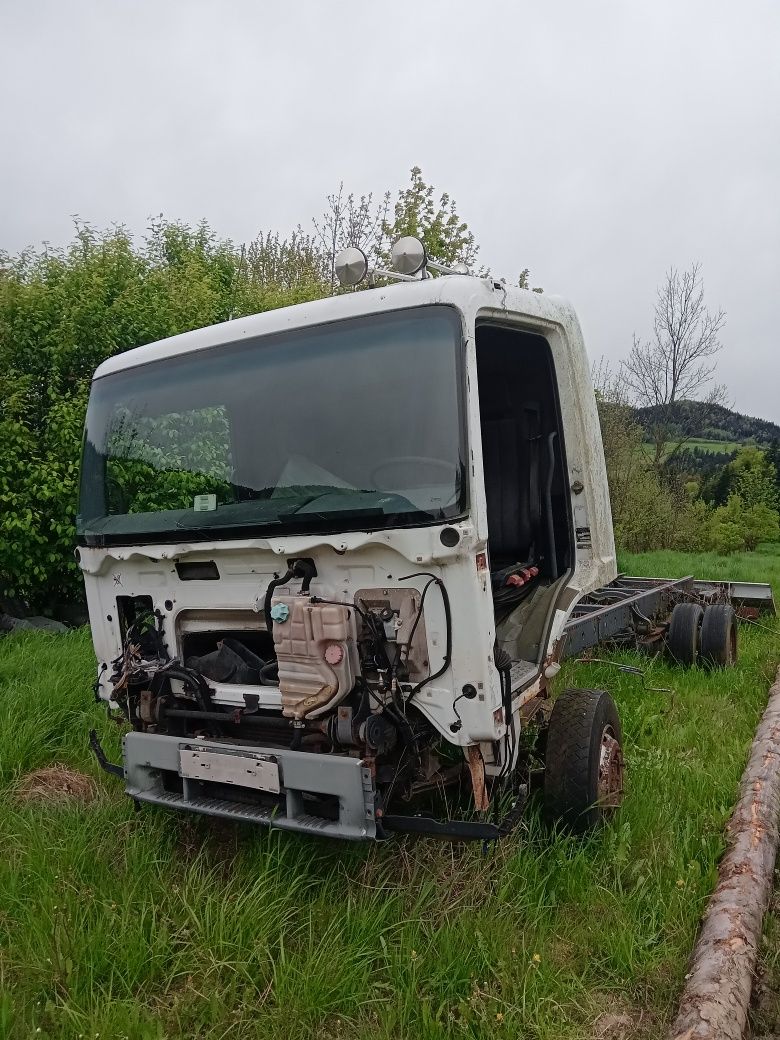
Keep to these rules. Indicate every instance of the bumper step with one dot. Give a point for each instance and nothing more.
(152, 761)
(238, 811)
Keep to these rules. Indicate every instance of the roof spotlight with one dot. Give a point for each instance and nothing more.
(408, 255)
(351, 266)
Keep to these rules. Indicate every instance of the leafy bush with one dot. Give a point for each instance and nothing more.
(662, 509)
(751, 474)
(737, 526)
(762, 524)
(647, 512)
(64, 311)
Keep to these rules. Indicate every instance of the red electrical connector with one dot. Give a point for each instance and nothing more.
(522, 576)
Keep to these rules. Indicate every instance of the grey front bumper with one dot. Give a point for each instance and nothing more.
(149, 756)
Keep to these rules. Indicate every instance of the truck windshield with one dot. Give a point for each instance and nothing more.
(354, 425)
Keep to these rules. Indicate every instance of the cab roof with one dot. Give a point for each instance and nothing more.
(471, 295)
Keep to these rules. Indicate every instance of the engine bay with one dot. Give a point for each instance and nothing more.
(302, 671)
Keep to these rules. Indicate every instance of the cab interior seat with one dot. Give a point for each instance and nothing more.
(518, 413)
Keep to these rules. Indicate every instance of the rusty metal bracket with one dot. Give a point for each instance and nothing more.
(100, 755)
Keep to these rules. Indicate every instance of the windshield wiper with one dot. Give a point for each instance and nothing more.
(217, 517)
(367, 513)
(220, 522)
(322, 492)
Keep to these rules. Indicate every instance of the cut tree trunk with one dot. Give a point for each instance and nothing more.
(717, 991)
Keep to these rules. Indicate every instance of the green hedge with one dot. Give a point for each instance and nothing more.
(62, 312)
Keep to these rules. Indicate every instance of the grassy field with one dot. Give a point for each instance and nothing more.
(712, 447)
(151, 925)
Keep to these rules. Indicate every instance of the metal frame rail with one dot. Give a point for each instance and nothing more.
(627, 606)
(613, 611)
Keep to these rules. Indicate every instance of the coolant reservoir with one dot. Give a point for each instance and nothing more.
(317, 653)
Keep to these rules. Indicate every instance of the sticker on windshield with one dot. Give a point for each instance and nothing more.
(204, 503)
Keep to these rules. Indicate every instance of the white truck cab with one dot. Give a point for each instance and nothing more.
(330, 551)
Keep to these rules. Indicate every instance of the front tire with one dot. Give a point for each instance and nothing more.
(583, 779)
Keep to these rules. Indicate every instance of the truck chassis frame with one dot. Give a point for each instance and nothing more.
(627, 610)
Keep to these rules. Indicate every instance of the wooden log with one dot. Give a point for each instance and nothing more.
(718, 985)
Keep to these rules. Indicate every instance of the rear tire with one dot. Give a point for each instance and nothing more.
(583, 778)
(718, 648)
(682, 639)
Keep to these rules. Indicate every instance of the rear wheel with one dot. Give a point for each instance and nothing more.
(718, 648)
(583, 779)
(682, 639)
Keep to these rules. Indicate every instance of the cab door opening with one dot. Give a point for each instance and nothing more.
(528, 511)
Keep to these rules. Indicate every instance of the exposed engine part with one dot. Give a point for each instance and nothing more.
(304, 569)
(503, 663)
(316, 651)
(147, 708)
(347, 674)
(342, 726)
(403, 628)
(379, 734)
(234, 662)
(445, 601)
(141, 625)
(144, 650)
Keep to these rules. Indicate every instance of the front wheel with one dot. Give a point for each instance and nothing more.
(583, 778)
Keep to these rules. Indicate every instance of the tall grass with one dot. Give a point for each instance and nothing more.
(763, 565)
(150, 925)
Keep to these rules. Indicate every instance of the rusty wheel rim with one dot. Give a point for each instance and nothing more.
(610, 783)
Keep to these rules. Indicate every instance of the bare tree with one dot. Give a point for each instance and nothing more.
(678, 363)
(350, 221)
(373, 226)
(621, 437)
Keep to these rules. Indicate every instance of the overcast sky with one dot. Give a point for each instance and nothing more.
(597, 142)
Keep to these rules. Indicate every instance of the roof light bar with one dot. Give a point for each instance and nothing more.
(351, 266)
(408, 257)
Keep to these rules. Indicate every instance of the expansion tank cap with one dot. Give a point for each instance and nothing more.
(280, 612)
(334, 653)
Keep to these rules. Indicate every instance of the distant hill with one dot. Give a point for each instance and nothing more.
(713, 422)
